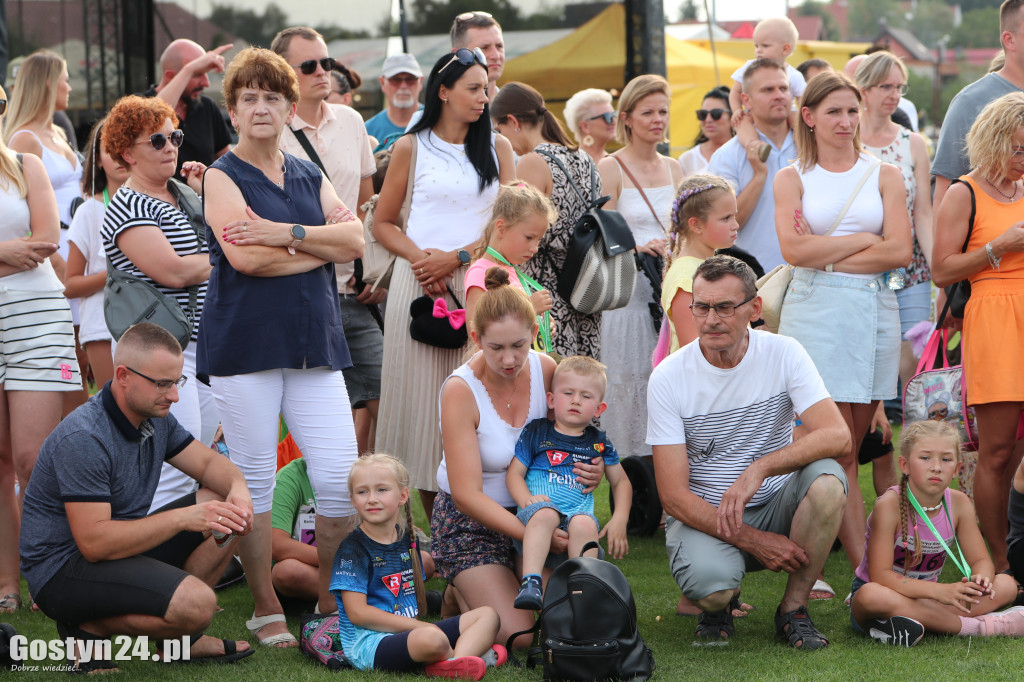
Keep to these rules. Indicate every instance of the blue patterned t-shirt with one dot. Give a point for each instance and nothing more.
(549, 457)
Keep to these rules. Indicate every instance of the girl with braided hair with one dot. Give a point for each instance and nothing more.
(897, 595)
(703, 220)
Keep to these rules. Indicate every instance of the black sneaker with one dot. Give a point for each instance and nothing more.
(896, 631)
(530, 596)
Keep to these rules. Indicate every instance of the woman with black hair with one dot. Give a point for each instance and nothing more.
(715, 130)
(459, 164)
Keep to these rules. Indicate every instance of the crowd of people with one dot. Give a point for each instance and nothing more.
(125, 518)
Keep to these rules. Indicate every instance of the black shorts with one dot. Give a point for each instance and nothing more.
(83, 591)
(393, 651)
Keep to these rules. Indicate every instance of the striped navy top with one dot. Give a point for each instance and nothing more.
(129, 209)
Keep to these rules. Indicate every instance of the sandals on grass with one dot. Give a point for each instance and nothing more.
(797, 628)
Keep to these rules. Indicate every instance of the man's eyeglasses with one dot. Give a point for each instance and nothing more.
(889, 87)
(608, 116)
(722, 309)
(403, 80)
(714, 113)
(162, 385)
(3, 106)
(158, 140)
(309, 66)
(466, 57)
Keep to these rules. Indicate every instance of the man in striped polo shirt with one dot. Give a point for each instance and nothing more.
(741, 494)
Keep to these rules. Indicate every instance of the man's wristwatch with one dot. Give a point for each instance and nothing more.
(463, 256)
(298, 234)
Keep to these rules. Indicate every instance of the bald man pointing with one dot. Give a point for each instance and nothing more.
(183, 67)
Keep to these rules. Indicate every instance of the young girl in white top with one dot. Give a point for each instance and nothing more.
(703, 220)
(521, 216)
(897, 595)
(87, 264)
(373, 582)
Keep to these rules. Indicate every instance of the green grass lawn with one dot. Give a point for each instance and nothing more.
(754, 654)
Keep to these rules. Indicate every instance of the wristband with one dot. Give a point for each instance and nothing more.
(992, 260)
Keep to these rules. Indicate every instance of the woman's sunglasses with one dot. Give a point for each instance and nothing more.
(309, 66)
(158, 140)
(715, 114)
(3, 106)
(466, 57)
(608, 116)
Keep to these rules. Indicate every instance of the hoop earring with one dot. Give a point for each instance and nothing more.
(588, 140)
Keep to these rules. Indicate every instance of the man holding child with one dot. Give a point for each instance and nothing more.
(741, 494)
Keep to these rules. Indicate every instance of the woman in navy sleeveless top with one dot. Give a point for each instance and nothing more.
(271, 337)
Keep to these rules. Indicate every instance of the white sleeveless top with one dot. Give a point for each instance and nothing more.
(825, 194)
(66, 178)
(497, 438)
(448, 209)
(14, 224)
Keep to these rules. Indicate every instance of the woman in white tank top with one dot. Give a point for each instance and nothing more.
(459, 164)
(838, 305)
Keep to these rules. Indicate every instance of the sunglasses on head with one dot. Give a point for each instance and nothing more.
(468, 16)
(466, 57)
(608, 116)
(158, 140)
(3, 106)
(309, 66)
(715, 114)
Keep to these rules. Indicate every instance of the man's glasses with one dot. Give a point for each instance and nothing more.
(158, 140)
(714, 113)
(162, 385)
(888, 88)
(466, 57)
(3, 106)
(722, 309)
(403, 80)
(309, 66)
(608, 116)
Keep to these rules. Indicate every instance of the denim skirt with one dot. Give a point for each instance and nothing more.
(850, 327)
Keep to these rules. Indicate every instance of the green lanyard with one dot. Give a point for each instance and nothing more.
(960, 563)
(530, 285)
(106, 197)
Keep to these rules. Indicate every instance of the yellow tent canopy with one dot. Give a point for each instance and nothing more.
(594, 56)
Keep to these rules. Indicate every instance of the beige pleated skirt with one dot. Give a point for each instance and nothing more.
(411, 377)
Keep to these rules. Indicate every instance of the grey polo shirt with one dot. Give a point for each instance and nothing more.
(94, 455)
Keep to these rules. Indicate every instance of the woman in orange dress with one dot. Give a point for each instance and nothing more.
(993, 328)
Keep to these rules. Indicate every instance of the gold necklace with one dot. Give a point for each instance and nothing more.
(515, 389)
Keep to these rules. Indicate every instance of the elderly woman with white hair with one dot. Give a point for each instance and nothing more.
(591, 118)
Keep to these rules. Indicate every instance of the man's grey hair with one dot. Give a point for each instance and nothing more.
(717, 267)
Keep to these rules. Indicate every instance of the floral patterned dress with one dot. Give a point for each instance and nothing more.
(573, 333)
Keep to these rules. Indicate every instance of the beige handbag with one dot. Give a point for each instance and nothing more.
(773, 286)
(378, 262)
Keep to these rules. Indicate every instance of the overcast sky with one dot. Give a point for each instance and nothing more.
(363, 14)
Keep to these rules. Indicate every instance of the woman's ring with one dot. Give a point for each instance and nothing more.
(421, 271)
(245, 226)
(219, 519)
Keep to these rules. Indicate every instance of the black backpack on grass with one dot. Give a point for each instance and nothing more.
(588, 627)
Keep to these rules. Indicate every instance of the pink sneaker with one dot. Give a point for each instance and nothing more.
(500, 654)
(1008, 623)
(462, 668)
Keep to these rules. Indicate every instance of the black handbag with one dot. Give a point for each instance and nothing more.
(958, 293)
(599, 272)
(435, 325)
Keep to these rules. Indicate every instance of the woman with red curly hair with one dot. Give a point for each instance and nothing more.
(147, 234)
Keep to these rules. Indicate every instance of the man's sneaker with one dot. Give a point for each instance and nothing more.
(530, 596)
(897, 631)
(461, 668)
(1008, 623)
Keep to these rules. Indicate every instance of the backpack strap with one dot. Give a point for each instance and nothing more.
(963, 249)
(307, 147)
(533, 656)
(593, 177)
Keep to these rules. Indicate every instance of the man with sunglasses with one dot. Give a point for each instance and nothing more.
(401, 80)
(95, 560)
(183, 67)
(739, 492)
